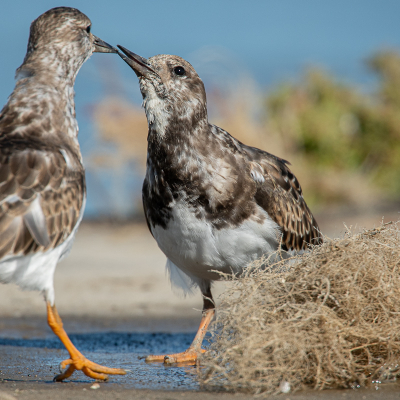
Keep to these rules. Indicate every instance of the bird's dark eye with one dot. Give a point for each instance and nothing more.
(88, 28)
(179, 71)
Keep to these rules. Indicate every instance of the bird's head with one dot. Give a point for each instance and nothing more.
(170, 86)
(62, 37)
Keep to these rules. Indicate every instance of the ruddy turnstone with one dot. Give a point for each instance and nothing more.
(211, 202)
(42, 179)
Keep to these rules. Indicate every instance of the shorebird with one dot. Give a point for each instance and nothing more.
(211, 202)
(42, 179)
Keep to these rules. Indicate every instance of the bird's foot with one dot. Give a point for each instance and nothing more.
(88, 367)
(188, 357)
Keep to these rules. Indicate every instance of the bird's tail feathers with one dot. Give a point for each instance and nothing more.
(182, 283)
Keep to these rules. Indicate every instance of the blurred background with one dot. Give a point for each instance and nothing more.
(314, 82)
(317, 83)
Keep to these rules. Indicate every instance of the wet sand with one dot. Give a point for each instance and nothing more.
(30, 355)
(117, 304)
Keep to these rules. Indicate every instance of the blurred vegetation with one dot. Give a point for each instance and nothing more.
(341, 134)
(123, 124)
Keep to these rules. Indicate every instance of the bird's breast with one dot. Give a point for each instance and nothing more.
(195, 245)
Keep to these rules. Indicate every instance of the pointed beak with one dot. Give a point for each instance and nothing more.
(103, 47)
(140, 65)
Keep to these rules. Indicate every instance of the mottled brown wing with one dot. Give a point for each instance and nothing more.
(281, 196)
(41, 198)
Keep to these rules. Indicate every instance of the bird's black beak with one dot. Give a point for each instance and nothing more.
(140, 65)
(103, 47)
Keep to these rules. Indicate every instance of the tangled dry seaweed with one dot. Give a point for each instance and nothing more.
(330, 320)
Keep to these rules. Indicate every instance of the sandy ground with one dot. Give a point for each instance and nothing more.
(113, 271)
(117, 302)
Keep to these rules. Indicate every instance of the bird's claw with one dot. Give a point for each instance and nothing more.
(188, 357)
(89, 368)
(64, 364)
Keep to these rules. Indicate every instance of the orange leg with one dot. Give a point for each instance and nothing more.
(190, 355)
(76, 361)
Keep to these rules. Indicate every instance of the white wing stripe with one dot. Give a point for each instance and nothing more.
(36, 223)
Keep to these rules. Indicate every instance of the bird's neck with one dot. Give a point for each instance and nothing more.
(52, 64)
(174, 135)
(42, 103)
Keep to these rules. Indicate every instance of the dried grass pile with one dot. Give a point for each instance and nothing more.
(332, 319)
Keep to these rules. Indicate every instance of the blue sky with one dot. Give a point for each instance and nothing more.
(269, 40)
(273, 40)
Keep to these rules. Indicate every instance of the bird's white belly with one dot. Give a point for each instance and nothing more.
(33, 272)
(194, 246)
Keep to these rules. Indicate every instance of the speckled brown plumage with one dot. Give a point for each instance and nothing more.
(281, 196)
(227, 201)
(38, 135)
(42, 179)
(32, 171)
(42, 183)
(211, 202)
(223, 181)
